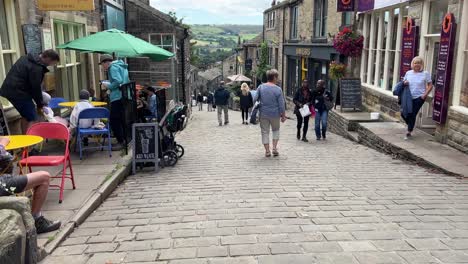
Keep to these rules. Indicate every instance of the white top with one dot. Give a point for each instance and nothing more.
(84, 123)
(417, 82)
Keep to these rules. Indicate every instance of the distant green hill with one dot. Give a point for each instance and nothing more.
(225, 37)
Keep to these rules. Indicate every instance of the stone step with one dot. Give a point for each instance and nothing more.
(354, 136)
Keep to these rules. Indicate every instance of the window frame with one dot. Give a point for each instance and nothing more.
(321, 5)
(271, 20)
(375, 50)
(14, 49)
(161, 35)
(293, 34)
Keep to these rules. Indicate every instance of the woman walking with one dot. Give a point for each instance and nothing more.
(272, 111)
(319, 96)
(420, 84)
(302, 97)
(246, 102)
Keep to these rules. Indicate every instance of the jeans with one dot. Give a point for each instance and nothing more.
(116, 120)
(265, 124)
(302, 120)
(200, 106)
(321, 118)
(222, 108)
(411, 118)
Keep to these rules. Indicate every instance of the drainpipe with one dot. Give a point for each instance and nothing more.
(186, 35)
(282, 49)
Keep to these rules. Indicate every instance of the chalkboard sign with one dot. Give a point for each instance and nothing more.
(145, 138)
(32, 38)
(4, 131)
(350, 93)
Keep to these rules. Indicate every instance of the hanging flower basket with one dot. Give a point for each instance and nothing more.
(348, 43)
(337, 70)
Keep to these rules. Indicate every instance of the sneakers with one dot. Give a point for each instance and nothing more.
(304, 139)
(226, 123)
(43, 225)
(408, 136)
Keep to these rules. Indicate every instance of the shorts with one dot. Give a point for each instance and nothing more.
(9, 181)
(26, 108)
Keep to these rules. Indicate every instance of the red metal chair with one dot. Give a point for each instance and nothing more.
(51, 131)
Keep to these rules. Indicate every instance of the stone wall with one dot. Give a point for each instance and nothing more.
(457, 134)
(376, 101)
(338, 124)
(143, 20)
(18, 238)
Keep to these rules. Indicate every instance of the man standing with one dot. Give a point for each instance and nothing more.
(23, 82)
(209, 101)
(200, 101)
(118, 75)
(221, 98)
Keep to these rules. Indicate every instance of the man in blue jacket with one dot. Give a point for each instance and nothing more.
(118, 75)
(221, 100)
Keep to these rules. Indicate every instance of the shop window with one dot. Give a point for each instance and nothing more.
(438, 11)
(8, 44)
(382, 32)
(165, 41)
(71, 73)
(320, 18)
(294, 21)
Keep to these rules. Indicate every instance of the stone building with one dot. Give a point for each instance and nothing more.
(209, 80)
(251, 57)
(382, 27)
(161, 30)
(230, 66)
(24, 28)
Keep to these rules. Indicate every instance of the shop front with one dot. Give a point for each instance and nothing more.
(309, 62)
(402, 29)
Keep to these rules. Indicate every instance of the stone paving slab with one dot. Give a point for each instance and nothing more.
(331, 201)
(422, 145)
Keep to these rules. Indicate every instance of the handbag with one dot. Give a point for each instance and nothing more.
(305, 111)
(312, 110)
(258, 103)
(328, 103)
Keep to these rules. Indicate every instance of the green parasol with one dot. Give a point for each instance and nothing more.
(117, 42)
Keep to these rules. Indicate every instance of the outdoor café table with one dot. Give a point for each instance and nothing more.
(22, 141)
(72, 104)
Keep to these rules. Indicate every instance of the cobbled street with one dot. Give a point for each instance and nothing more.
(321, 202)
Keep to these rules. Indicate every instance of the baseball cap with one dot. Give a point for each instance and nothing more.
(104, 58)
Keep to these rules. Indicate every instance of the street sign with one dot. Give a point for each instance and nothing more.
(65, 5)
(409, 46)
(145, 138)
(248, 64)
(444, 69)
(32, 38)
(350, 93)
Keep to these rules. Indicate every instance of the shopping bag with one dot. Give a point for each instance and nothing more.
(305, 111)
(312, 111)
(253, 115)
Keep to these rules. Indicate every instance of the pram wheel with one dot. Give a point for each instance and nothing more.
(179, 150)
(170, 158)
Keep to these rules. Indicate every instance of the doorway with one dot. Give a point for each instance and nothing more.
(425, 121)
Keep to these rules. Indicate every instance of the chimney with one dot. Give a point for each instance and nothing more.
(273, 3)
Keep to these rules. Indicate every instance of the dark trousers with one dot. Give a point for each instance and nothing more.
(302, 120)
(117, 121)
(245, 114)
(410, 119)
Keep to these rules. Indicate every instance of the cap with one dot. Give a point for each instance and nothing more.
(105, 57)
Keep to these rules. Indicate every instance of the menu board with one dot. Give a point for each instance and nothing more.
(409, 46)
(32, 38)
(145, 138)
(350, 93)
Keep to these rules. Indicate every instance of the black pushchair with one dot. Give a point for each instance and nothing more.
(169, 151)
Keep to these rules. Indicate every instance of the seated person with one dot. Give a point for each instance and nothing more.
(48, 113)
(85, 123)
(37, 181)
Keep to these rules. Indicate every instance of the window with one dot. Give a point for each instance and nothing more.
(8, 38)
(294, 18)
(380, 63)
(165, 41)
(271, 19)
(71, 73)
(116, 3)
(270, 56)
(438, 11)
(320, 18)
(347, 18)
